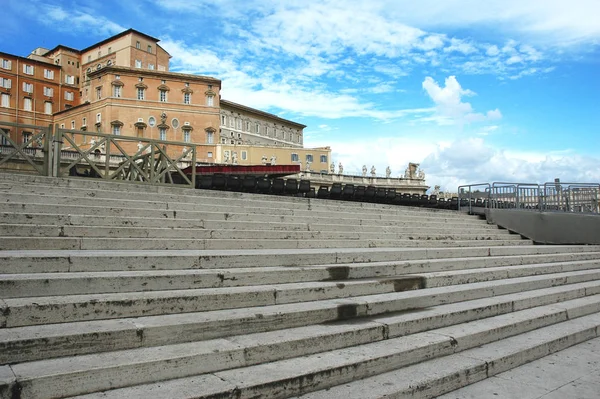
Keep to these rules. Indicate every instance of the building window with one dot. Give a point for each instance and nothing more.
(210, 101)
(27, 87)
(6, 83)
(27, 104)
(26, 137)
(69, 79)
(209, 154)
(267, 130)
(186, 136)
(140, 93)
(109, 50)
(223, 140)
(116, 91)
(6, 64)
(5, 102)
(98, 118)
(151, 67)
(62, 125)
(309, 158)
(28, 69)
(117, 77)
(232, 122)
(98, 93)
(223, 120)
(69, 95)
(84, 122)
(150, 49)
(138, 63)
(323, 158)
(72, 124)
(162, 96)
(89, 58)
(48, 74)
(239, 135)
(48, 108)
(295, 157)
(209, 137)
(138, 45)
(116, 130)
(239, 124)
(187, 98)
(162, 133)
(244, 155)
(257, 128)
(49, 92)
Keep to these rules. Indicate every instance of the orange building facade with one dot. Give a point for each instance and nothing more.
(123, 86)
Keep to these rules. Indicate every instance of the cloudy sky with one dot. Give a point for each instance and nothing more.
(474, 91)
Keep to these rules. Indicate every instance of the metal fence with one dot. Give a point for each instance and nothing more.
(554, 196)
(53, 151)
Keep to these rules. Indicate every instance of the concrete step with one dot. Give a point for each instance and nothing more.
(116, 189)
(77, 243)
(56, 309)
(339, 260)
(262, 208)
(219, 223)
(208, 215)
(437, 376)
(21, 344)
(278, 365)
(464, 271)
(39, 230)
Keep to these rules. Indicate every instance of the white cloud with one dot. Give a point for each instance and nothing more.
(449, 105)
(70, 20)
(472, 160)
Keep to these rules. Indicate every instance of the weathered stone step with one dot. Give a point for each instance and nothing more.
(115, 189)
(73, 283)
(243, 207)
(39, 230)
(278, 365)
(437, 376)
(205, 215)
(30, 343)
(78, 243)
(56, 309)
(220, 223)
(48, 261)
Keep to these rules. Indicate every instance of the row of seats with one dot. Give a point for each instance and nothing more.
(302, 188)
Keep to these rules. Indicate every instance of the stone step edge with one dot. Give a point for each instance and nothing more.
(14, 261)
(177, 244)
(400, 294)
(49, 341)
(174, 190)
(225, 358)
(49, 284)
(436, 377)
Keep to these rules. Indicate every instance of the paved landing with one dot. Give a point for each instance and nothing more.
(570, 374)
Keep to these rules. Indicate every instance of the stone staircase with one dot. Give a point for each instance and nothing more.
(115, 290)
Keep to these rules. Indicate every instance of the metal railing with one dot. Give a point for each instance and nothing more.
(124, 158)
(53, 151)
(33, 150)
(554, 196)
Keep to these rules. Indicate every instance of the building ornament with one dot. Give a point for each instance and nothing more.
(364, 170)
(388, 172)
(373, 171)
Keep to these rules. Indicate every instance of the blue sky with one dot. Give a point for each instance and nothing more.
(473, 90)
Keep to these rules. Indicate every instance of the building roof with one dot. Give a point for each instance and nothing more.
(60, 46)
(154, 72)
(259, 112)
(29, 59)
(118, 35)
